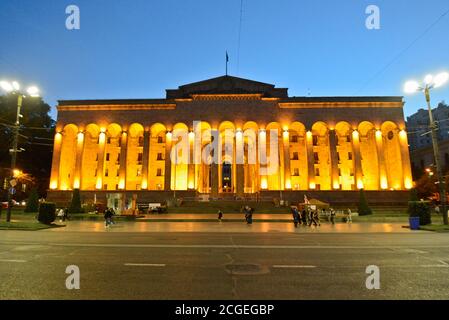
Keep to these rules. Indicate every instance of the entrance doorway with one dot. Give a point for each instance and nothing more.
(226, 175)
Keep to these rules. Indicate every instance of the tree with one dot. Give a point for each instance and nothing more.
(414, 195)
(36, 137)
(75, 205)
(33, 202)
(426, 187)
(363, 208)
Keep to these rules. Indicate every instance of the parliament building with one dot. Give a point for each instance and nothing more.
(326, 147)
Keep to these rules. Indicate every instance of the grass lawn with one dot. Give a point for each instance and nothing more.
(435, 227)
(25, 225)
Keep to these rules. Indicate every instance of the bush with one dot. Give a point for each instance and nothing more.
(32, 202)
(75, 205)
(420, 209)
(414, 195)
(47, 212)
(363, 208)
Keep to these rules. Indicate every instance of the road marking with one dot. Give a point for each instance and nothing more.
(145, 265)
(293, 267)
(435, 266)
(12, 260)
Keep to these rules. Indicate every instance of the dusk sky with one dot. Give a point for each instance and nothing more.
(139, 48)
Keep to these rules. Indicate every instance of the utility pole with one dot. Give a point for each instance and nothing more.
(13, 152)
(436, 153)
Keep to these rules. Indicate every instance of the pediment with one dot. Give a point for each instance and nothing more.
(227, 85)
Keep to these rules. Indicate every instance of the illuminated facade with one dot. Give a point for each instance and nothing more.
(323, 144)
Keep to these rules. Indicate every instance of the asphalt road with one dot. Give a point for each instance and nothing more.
(223, 266)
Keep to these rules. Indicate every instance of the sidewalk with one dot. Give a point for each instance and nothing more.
(230, 227)
(206, 217)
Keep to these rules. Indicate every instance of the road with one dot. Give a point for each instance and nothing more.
(219, 265)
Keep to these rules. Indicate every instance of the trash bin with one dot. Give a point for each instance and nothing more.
(414, 223)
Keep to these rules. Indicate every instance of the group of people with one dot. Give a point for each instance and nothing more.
(248, 214)
(309, 217)
(109, 217)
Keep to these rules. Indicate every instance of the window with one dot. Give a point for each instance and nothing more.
(96, 172)
(349, 155)
(338, 157)
(106, 173)
(160, 139)
(317, 172)
(116, 187)
(316, 157)
(352, 172)
(105, 187)
(296, 172)
(315, 140)
(108, 155)
(294, 139)
(118, 159)
(118, 173)
(295, 156)
(140, 141)
(339, 172)
(159, 157)
(109, 140)
(159, 172)
(348, 139)
(139, 158)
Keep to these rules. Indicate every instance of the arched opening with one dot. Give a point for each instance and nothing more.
(321, 156)
(251, 165)
(157, 157)
(134, 157)
(68, 157)
(345, 156)
(368, 152)
(203, 174)
(226, 168)
(89, 166)
(111, 168)
(298, 156)
(275, 157)
(180, 157)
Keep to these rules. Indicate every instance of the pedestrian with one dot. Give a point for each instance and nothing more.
(296, 217)
(349, 216)
(60, 214)
(332, 216)
(304, 217)
(65, 214)
(107, 217)
(317, 218)
(437, 210)
(220, 215)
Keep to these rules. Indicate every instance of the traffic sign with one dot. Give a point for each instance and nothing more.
(13, 183)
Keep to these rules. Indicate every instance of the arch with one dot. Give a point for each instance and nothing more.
(226, 163)
(134, 157)
(90, 157)
(369, 156)
(111, 166)
(343, 129)
(180, 157)
(156, 171)
(298, 156)
(251, 178)
(274, 177)
(321, 154)
(68, 156)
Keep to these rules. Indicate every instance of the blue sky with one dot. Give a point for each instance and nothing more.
(139, 48)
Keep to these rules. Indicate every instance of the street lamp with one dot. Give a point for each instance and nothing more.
(431, 82)
(14, 88)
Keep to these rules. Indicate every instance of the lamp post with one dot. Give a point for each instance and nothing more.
(14, 87)
(431, 82)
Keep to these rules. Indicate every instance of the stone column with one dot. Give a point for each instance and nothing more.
(123, 160)
(167, 172)
(358, 172)
(79, 160)
(145, 159)
(383, 179)
(405, 156)
(310, 161)
(287, 169)
(191, 183)
(240, 166)
(54, 178)
(100, 163)
(335, 176)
